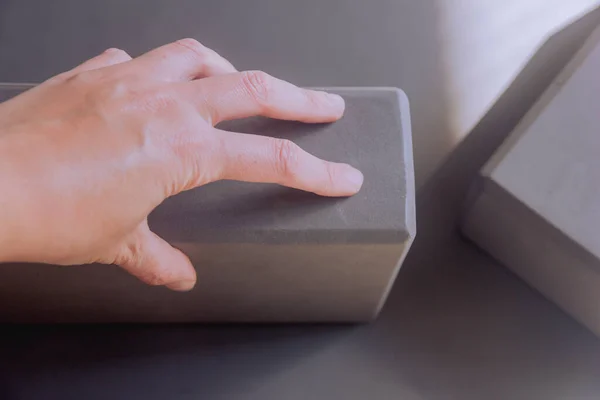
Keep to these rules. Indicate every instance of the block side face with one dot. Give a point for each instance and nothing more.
(547, 97)
(557, 267)
(243, 283)
(410, 208)
(409, 169)
(554, 167)
(370, 137)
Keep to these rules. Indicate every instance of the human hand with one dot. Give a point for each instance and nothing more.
(88, 154)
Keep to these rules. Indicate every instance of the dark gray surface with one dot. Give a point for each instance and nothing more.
(457, 326)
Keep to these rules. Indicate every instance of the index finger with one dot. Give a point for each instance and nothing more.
(253, 93)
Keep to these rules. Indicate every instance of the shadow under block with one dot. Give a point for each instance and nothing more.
(263, 253)
(536, 206)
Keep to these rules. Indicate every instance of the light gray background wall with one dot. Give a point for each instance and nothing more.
(452, 57)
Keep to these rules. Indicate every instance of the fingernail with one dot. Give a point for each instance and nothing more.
(335, 100)
(354, 179)
(182, 286)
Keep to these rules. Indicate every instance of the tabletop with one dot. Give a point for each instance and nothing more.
(457, 325)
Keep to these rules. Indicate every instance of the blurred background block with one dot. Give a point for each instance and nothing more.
(536, 207)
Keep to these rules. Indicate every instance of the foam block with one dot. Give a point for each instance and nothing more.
(536, 206)
(263, 253)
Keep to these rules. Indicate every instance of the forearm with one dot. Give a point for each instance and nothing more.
(12, 203)
(6, 204)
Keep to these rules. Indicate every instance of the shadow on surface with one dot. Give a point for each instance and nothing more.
(464, 326)
(165, 360)
(452, 180)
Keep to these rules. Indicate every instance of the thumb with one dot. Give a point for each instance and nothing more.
(155, 262)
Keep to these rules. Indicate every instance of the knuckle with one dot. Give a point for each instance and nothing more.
(194, 47)
(83, 78)
(56, 79)
(314, 100)
(332, 174)
(134, 259)
(113, 90)
(129, 256)
(154, 278)
(286, 157)
(155, 102)
(259, 85)
(196, 53)
(117, 53)
(194, 157)
(190, 43)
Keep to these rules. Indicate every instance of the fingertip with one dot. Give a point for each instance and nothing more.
(343, 181)
(182, 286)
(331, 104)
(186, 273)
(336, 101)
(155, 262)
(351, 180)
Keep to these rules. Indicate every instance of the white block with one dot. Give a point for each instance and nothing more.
(536, 205)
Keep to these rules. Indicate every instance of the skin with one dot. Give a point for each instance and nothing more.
(88, 154)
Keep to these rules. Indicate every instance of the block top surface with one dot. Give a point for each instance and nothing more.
(373, 135)
(551, 162)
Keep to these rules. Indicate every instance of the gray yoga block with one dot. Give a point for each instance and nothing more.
(536, 205)
(263, 253)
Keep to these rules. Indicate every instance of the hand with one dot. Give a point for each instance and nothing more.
(88, 154)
